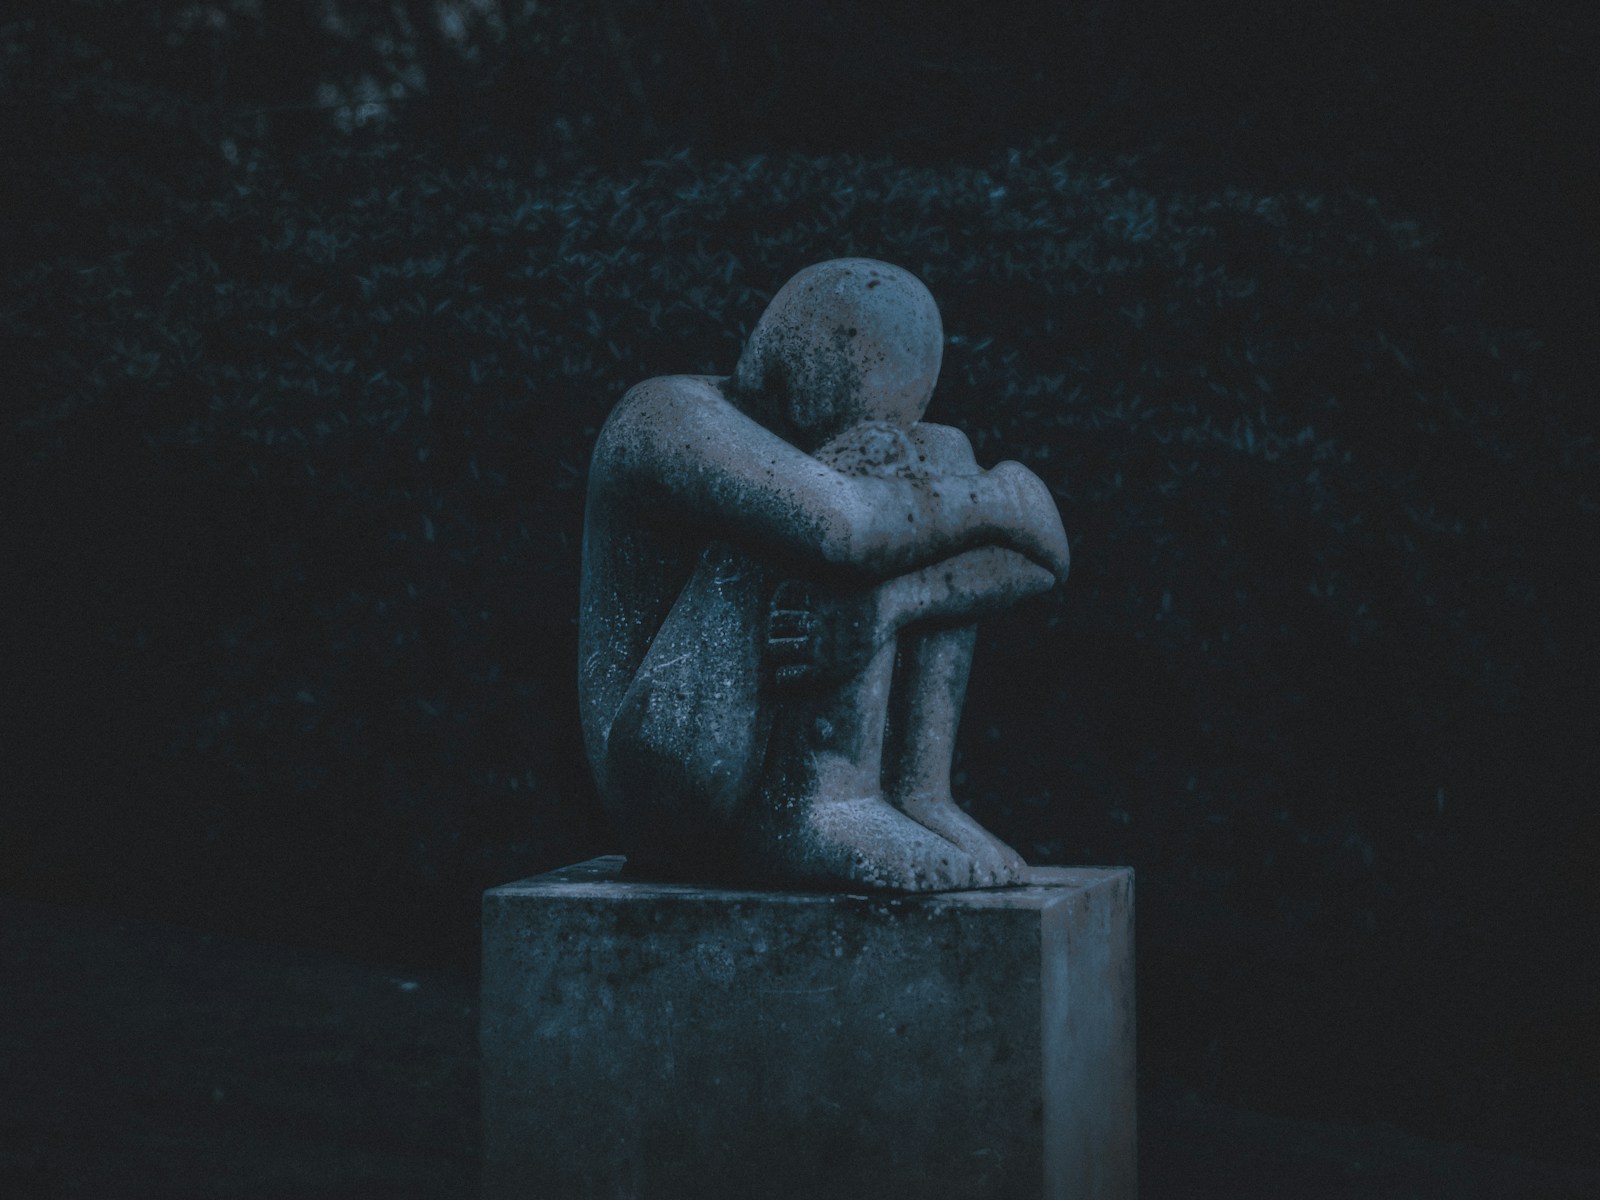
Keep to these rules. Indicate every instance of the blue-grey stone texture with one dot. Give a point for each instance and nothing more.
(654, 1041)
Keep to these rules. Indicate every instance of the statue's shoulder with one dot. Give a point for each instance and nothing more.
(637, 429)
(665, 392)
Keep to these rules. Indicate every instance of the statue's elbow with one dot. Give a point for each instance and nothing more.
(848, 537)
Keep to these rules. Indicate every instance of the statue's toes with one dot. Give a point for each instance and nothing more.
(998, 865)
(938, 866)
(946, 868)
(1011, 863)
(990, 871)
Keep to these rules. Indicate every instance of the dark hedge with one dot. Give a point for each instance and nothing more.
(300, 429)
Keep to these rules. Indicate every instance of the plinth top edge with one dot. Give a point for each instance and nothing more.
(601, 878)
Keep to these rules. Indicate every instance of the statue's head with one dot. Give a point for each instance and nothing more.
(845, 341)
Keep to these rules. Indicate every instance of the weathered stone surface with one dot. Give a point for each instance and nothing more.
(782, 571)
(658, 1040)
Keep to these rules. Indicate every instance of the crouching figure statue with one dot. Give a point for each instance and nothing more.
(782, 569)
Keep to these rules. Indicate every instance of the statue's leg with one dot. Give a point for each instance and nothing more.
(930, 686)
(684, 751)
(819, 817)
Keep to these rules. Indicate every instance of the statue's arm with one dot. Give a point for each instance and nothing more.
(676, 450)
(948, 451)
(975, 583)
(972, 585)
(815, 636)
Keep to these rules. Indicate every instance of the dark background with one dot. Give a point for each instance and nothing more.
(312, 310)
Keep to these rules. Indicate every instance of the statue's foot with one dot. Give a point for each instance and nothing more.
(861, 842)
(996, 864)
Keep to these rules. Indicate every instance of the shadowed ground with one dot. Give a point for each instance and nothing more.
(142, 1059)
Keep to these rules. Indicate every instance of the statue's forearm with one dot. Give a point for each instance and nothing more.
(966, 587)
(675, 449)
(901, 525)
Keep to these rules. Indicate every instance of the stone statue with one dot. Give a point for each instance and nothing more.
(781, 573)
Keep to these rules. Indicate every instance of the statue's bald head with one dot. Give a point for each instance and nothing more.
(845, 341)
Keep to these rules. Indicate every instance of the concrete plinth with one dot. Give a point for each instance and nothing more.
(654, 1041)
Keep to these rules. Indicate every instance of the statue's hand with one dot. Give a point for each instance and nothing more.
(1028, 520)
(817, 636)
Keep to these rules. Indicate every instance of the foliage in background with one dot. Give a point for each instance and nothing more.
(300, 430)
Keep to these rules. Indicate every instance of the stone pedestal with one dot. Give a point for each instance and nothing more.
(654, 1041)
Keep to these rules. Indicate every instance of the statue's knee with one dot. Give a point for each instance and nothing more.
(945, 449)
